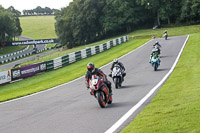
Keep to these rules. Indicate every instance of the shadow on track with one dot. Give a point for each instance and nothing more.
(119, 104)
(164, 56)
(127, 86)
(163, 69)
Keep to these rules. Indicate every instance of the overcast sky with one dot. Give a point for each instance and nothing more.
(31, 4)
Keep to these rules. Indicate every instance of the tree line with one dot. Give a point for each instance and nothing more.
(9, 24)
(40, 11)
(86, 21)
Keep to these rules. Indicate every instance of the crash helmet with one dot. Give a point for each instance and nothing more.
(115, 61)
(90, 67)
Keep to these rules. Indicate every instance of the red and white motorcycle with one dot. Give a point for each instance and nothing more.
(100, 91)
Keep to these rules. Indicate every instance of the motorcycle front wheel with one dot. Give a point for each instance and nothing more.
(101, 99)
(155, 66)
(116, 81)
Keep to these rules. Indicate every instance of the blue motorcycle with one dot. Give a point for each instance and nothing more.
(155, 62)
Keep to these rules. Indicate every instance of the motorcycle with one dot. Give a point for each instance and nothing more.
(100, 91)
(117, 76)
(165, 36)
(155, 62)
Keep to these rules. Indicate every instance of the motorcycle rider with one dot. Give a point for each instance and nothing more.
(92, 70)
(157, 46)
(165, 32)
(154, 53)
(116, 62)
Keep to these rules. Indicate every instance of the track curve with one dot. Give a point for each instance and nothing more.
(70, 108)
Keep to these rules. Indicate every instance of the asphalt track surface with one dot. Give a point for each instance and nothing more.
(70, 107)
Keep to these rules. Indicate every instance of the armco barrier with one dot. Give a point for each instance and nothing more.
(83, 53)
(79, 55)
(49, 65)
(14, 53)
(33, 69)
(57, 63)
(88, 52)
(65, 60)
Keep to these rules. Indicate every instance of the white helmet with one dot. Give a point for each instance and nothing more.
(115, 61)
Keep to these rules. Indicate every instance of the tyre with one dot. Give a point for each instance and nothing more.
(155, 66)
(101, 99)
(116, 82)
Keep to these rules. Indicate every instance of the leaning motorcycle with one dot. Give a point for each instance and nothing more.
(155, 62)
(100, 91)
(117, 76)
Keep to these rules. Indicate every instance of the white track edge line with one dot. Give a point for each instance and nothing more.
(134, 108)
(69, 81)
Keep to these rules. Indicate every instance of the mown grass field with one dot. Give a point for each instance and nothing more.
(38, 27)
(176, 108)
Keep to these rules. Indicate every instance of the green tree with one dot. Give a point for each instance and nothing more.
(124, 16)
(154, 6)
(170, 11)
(80, 21)
(190, 11)
(14, 11)
(8, 27)
(48, 10)
(16, 14)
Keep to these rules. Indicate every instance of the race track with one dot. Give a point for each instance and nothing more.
(69, 108)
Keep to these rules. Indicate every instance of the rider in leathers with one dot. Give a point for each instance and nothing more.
(154, 53)
(157, 46)
(92, 70)
(116, 62)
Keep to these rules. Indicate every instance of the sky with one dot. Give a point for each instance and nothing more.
(32, 4)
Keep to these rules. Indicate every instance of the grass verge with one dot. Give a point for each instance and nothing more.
(176, 108)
